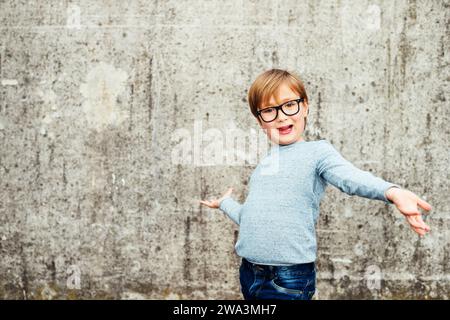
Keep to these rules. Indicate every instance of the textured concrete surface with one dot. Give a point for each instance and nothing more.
(92, 203)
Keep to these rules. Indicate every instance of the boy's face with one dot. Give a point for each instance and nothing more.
(274, 129)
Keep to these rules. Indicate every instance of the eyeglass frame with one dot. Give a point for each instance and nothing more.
(280, 107)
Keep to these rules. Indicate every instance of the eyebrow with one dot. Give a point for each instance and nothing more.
(282, 101)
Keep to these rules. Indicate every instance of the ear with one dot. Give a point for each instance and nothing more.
(306, 108)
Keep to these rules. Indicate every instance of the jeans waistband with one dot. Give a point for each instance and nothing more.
(302, 267)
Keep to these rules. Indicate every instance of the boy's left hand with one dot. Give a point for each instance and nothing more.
(407, 202)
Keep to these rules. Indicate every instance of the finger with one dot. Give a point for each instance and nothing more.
(423, 232)
(424, 205)
(424, 225)
(419, 226)
(419, 231)
(206, 203)
(411, 214)
(229, 191)
(414, 223)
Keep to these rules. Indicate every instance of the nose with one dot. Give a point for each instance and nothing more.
(281, 115)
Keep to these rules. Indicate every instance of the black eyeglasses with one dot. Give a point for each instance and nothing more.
(289, 108)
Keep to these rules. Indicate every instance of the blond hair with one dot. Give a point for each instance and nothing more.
(266, 85)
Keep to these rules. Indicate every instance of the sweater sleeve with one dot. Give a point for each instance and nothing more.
(342, 174)
(232, 208)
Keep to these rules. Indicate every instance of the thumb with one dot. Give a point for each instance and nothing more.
(229, 191)
(424, 205)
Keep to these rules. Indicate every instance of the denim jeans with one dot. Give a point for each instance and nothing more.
(296, 282)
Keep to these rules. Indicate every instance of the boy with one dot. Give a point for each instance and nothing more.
(277, 239)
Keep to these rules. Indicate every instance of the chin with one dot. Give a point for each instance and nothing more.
(283, 140)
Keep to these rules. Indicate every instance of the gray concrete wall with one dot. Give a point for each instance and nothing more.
(92, 202)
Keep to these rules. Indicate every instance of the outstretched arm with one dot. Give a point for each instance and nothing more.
(227, 204)
(345, 176)
(342, 174)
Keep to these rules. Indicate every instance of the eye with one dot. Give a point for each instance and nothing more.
(291, 104)
(267, 111)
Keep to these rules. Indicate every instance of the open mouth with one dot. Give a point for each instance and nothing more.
(285, 129)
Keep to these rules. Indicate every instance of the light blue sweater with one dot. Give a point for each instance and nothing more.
(277, 220)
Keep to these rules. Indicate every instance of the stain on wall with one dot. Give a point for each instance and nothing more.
(104, 85)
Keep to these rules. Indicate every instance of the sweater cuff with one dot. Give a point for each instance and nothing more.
(231, 207)
(221, 204)
(391, 185)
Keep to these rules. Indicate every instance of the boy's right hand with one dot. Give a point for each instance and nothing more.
(215, 204)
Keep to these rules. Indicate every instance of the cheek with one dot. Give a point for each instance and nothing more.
(267, 126)
(270, 129)
(297, 119)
